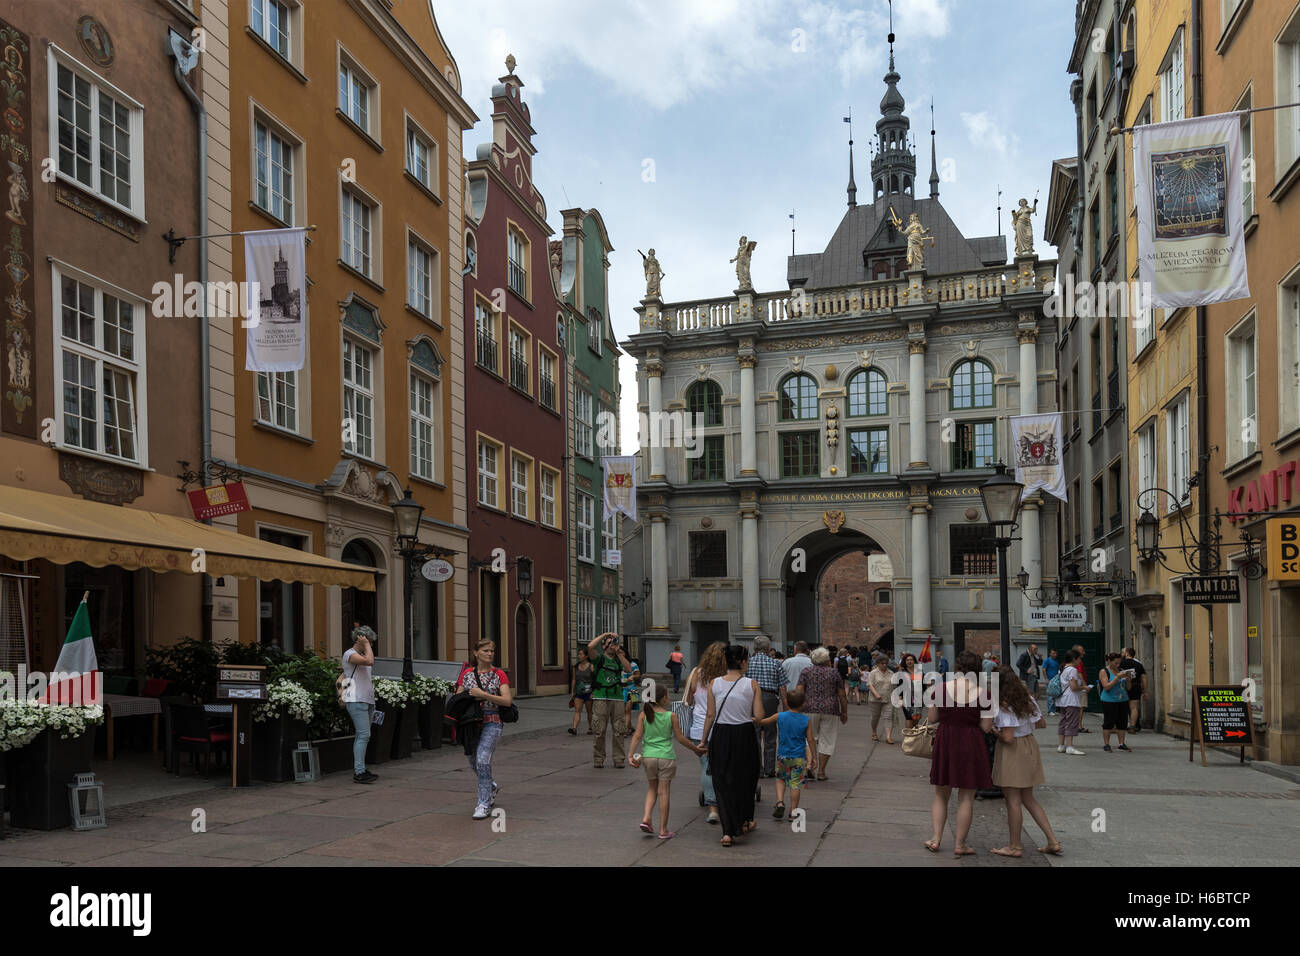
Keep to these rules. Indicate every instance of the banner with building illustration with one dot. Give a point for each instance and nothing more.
(1036, 444)
(275, 267)
(619, 475)
(1187, 187)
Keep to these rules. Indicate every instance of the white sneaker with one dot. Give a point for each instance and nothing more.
(1060, 748)
(1073, 752)
(481, 812)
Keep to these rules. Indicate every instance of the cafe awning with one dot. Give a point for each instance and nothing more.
(61, 529)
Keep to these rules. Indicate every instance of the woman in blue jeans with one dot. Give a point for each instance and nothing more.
(359, 697)
(491, 688)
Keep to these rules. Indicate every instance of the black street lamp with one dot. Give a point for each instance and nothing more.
(1001, 495)
(629, 600)
(407, 513)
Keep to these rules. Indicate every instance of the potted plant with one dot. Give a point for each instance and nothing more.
(280, 722)
(430, 696)
(390, 697)
(60, 747)
(191, 664)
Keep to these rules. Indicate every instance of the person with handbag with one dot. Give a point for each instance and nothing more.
(356, 691)
(735, 703)
(1074, 694)
(491, 688)
(959, 759)
(828, 704)
(1017, 763)
(712, 665)
(580, 691)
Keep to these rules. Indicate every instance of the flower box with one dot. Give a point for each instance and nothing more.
(404, 734)
(39, 776)
(430, 723)
(381, 735)
(274, 742)
(334, 753)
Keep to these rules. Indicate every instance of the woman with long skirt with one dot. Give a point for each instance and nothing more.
(735, 702)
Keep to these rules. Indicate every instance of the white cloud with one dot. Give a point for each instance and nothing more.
(984, 132)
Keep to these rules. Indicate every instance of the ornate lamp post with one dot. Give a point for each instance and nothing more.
(407, 513)
(1001, 495)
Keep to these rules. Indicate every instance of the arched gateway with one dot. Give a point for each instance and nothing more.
(805, 568)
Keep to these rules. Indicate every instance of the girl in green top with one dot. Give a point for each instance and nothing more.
(658, 725)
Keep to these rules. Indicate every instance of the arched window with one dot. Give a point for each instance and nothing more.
(867, 393)
(907, 185)
(972, 385)
(798, 398)
(893, 184)
(705, 399)
(361, 607)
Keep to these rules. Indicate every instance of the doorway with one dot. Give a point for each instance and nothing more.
(362, 607)
(1094, 657)
(704, 633)
(522, 677)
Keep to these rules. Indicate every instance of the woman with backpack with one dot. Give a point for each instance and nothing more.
(1017, 764)
(1073, 694)
(735, 703)
(491, 688)
(580, 685)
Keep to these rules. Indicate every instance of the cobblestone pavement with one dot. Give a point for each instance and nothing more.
(1151, 807)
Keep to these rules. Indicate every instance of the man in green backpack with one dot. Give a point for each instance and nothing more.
(608, 664)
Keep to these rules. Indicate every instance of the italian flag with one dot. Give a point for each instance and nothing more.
(76, 675)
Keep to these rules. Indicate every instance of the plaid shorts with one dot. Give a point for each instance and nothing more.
(791, 771)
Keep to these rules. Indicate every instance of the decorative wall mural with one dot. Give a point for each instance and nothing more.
(16, 148)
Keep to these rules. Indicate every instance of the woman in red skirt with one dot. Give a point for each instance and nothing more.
(961, 758)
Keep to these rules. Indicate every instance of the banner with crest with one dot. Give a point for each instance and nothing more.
(1036, 445)
(619, 474)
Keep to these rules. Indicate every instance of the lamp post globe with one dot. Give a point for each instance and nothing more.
(1001, 496)
(1148, 535)
(407, 513)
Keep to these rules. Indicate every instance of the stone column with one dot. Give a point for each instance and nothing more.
(920, 510)
(654, 371)
(748, 418)
(658, 573)
(751, 611)
(1031, 548)
(916, 405)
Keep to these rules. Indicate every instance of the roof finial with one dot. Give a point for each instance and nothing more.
(934, 166)
(853, 188)
(510, 62)
(891, 36)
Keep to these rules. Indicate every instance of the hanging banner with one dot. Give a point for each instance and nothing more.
(1187, 187)
(225, 499)
(1036, 443)
(275, 267)
(620, 484)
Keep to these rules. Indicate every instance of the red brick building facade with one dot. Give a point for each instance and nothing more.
(851, 601)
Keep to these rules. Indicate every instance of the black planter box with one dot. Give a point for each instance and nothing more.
(430, 723)
(334, 753)
(404, 735)
(273, 744)
(381, 736)
(39, 775)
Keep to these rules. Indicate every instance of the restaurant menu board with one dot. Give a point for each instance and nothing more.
(1222, 719)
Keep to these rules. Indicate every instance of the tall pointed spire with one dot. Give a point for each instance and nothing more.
(853, 187)
(934, 166)
(893, 167)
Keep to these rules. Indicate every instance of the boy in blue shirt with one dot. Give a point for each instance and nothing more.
(794, 750)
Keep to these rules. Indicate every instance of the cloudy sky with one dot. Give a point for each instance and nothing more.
(690, 122)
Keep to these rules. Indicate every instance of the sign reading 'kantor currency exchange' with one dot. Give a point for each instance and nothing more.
(1212, 589)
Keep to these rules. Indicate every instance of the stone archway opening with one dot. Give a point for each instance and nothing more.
(810, 594)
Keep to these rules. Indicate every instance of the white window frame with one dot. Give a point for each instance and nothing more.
(522, 355)
(595, 333)
(429, 307)
(545, 358)
(608, 536)
(608, 617)
(352, 77)
(279, 412)
(1241, 358)
(489, 481)
(1148, 464)
(361, 397)
(417, 137)
(549, 504)
(357, 233)
(288, 142)
(585, 423)
(483, 308)
(420, 422)
(1248, 156)
(586, 620)
(517, 241)
(135, 368)
(1286, 129)
(1178, 459)
(264, 8)
(586, 527)
(98, 86)
(1288, 370)
(521, 496)
(1173, 91)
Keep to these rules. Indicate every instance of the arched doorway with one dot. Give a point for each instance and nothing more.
(362, 607)
(855, 600)
(521, 676)
(803, 570)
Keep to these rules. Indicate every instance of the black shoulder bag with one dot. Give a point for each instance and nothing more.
(509, 715)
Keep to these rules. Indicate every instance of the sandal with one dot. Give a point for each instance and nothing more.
(1052, 849)
(932, 846)
(749, 827)
(889, 741)
(573, 731)
(1011, 851)
(668, 836)
(875, 738)
(646, 828)
(778, 811)
(727, 841)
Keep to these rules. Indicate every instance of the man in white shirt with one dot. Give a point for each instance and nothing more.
(794, 666)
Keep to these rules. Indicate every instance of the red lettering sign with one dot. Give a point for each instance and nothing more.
(227, 499)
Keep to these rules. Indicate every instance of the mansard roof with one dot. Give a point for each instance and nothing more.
(867, 227)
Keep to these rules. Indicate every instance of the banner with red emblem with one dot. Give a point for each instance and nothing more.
(1036, 445)
(620, 484)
